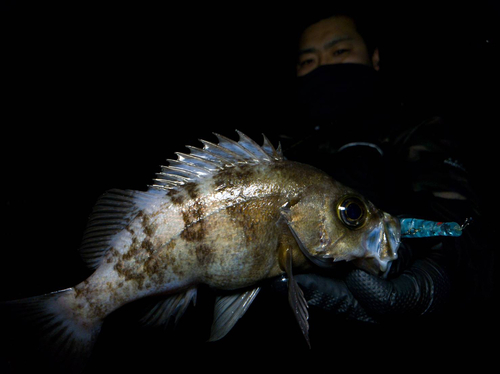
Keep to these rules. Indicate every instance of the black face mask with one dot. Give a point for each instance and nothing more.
(345, 100)
(340, 106)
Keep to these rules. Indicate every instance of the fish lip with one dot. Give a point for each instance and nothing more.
(381, 245)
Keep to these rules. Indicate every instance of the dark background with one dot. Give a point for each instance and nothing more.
(98, 95)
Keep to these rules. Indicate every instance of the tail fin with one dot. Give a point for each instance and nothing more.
(55, 329)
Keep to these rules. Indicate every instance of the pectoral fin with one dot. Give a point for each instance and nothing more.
(228, 310)
(296, 297)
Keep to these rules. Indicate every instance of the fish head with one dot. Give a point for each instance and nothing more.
(380, 243)
(331, 227)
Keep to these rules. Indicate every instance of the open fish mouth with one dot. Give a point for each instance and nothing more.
(381, 245)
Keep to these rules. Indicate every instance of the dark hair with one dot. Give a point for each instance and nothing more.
(365, 21)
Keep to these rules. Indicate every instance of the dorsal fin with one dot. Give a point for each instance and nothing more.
(113, 211)
(203, 162)
(117, 208)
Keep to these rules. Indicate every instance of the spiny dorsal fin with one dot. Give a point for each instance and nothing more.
(117, 208)
(203, 162)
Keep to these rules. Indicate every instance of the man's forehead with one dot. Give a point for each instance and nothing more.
(326, 30)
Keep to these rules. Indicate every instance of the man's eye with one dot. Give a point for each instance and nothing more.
(338, 52)
(306, 62)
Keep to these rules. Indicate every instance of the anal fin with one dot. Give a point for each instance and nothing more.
(175, 305)
(228, 310)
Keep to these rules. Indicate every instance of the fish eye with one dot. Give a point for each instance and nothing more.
(352, 212)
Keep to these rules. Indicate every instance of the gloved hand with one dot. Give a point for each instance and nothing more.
(414, 287)
(419, 289)
(332, 295)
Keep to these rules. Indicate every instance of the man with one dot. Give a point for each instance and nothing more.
(353, 128)
(334, 40)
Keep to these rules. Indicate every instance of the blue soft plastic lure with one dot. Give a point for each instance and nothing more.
(420, 228)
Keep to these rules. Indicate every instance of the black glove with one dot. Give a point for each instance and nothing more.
(420, 289)
(332, 295)
(414, 287)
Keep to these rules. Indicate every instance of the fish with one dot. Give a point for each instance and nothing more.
(228, 215)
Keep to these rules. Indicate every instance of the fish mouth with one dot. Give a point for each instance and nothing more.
(381, 245)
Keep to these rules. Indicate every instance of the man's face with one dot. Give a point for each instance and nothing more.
(333, 40)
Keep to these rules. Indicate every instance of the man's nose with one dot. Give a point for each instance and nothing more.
(325, 59)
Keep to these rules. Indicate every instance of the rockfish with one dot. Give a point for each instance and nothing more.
(228, 215)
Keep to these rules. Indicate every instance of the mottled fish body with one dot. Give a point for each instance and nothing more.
(222, 232)
(229, 216)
